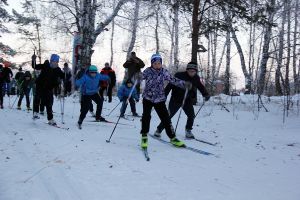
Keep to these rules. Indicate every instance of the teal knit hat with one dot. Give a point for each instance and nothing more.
(93, 68)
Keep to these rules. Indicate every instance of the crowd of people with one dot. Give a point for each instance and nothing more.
(49, 80)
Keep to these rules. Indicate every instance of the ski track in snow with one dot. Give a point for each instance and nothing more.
(258, 157)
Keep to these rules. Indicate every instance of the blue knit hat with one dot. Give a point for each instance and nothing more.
(54, 58)
(93, 68)
(156, 57)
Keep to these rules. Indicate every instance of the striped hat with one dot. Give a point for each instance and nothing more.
(156, 57)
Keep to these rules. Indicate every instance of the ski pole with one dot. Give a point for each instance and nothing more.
(34, 76)
(14, 102)
(183, 102)
(114, 108)
(200, 108)
(129, 96)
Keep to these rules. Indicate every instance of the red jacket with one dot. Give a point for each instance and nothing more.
(112, 75)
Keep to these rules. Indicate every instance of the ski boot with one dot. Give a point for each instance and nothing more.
(157, 133)
(189, 134)
(19, 108)
(144, 142)
(35, 116)
(42, 113)
(177, 142)
(28, 108)
(52, 122)
(93, 114)
(79, 125)
(135, 114)
(101, 119)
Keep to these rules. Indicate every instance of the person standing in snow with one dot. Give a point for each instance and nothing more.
(123, 94)
(67, 80)
(107, 70)
(1, 86)
(7, 77)
(154, 96)
(89, 86)
(19, 77)
(25, 87)
(134, 66)
(48, 79)
(178, 95)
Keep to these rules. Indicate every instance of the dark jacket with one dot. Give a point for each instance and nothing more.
(178, 93)
(49, 78)
(19, 76)
(133, 65)
(7, 74)
(112, 75)
(26, 84)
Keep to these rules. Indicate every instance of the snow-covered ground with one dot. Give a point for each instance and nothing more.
(257, 156)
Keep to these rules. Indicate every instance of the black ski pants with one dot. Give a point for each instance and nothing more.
(86, 101)
(163, 114)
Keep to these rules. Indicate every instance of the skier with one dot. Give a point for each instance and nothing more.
(1, 86)
(178, 95)
(107, 70)
(154, 96)
(7, 77)
(67, 80)
(36, 94)
(45, 83)
(123, 94)
(134, 66)
(89, 84)
(18, 77)
(25, 87)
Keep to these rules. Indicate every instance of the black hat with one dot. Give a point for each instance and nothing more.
(20, 68)
(192, 65)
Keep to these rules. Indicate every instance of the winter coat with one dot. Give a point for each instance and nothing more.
(124, 91)
(67, 74)
(133, 66)
(178, 93)
(26, 84)
(19, 76)
(49, 78)
(90, 85)
(112, 75)
(7, 74)
(154, 90)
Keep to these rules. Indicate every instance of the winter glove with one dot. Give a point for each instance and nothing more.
(137, 100)
(188, 85)
(207, 97)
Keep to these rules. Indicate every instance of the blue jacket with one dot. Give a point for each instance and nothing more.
(90, 85)
(124, 92)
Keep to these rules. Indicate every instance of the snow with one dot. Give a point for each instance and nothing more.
(257, 156)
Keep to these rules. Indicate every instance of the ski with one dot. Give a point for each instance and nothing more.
(202, 141)
(110, 122)
(145, 152)
(57, 126)
(185, 147)
(128, 119)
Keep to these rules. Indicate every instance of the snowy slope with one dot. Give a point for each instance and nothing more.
(258, 156)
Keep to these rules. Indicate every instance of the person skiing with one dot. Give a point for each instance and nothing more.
(36, 94)
(134, 66)
(1, 86)
(48, 79)
(177, 98)
(19, 77)
(123, 94)
(89, 85)
(7, 77)
(25, 87)
(67, 80)
(107, 70)
(154, 96)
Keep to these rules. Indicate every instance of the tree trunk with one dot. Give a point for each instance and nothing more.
(265, 51)
(112, 39)
(134, 27)
(156, 29)
(228, 57)
(287, 67)
(195, 31)
(176, 35)
(280, 54)
(296, 80)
